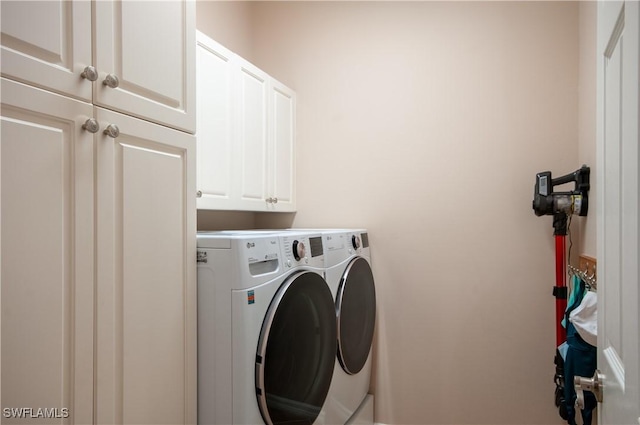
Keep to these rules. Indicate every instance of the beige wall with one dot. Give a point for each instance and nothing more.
(587, 121)
(227, 22)
(426, 123)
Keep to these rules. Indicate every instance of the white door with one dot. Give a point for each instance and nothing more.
(146, 264)
(216, 71)
(282, 122)
(150, 47)
(46, 255)
(47, 44)
(253, 137)
(618, 218)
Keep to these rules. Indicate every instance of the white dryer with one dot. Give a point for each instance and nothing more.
(266, 328)
(349, 275)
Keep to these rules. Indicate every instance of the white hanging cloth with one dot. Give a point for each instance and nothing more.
(585, 318)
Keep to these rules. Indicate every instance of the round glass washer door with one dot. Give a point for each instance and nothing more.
(296, 351)
(356, 315)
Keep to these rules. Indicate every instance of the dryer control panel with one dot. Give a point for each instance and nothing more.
(358, 242)
(302, 249)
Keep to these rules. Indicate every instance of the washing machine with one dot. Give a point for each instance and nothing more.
(349, 275)
(267, 334)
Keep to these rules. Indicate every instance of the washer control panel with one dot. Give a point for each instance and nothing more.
(335, 241)
(261, 249)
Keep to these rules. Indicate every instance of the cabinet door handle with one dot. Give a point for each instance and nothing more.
(111, 80)
(199, 194)
(275, 200)
(91, 125)
(90, 73)
(112, 131)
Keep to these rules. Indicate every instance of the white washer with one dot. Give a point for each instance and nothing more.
(266, 328)
(348, 273)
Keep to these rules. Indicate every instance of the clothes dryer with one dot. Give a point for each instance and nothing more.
(266, 328)
(349, 275)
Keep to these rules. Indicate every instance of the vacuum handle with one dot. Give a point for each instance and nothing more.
(580, 177)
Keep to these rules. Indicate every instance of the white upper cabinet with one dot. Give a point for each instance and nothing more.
(145, 57)
(48, 44)
(142, 61)
(216, 74)
(246, 134)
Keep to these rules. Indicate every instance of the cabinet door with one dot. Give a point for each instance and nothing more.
(216, 71)
(252, 139)
(146, 322)
(47, 44)
(47, 260)
(282, 162)
(150, 47)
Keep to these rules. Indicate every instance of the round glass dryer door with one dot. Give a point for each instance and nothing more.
(356, 314)
(296, 351)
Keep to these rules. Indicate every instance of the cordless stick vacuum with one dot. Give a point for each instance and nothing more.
(561, 205)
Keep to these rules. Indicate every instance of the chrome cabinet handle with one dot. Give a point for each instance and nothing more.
(275, 200)
(112, 131)
(271, 200)
(90, 73)
(111, 80)
(199, 194)
(91, 125)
